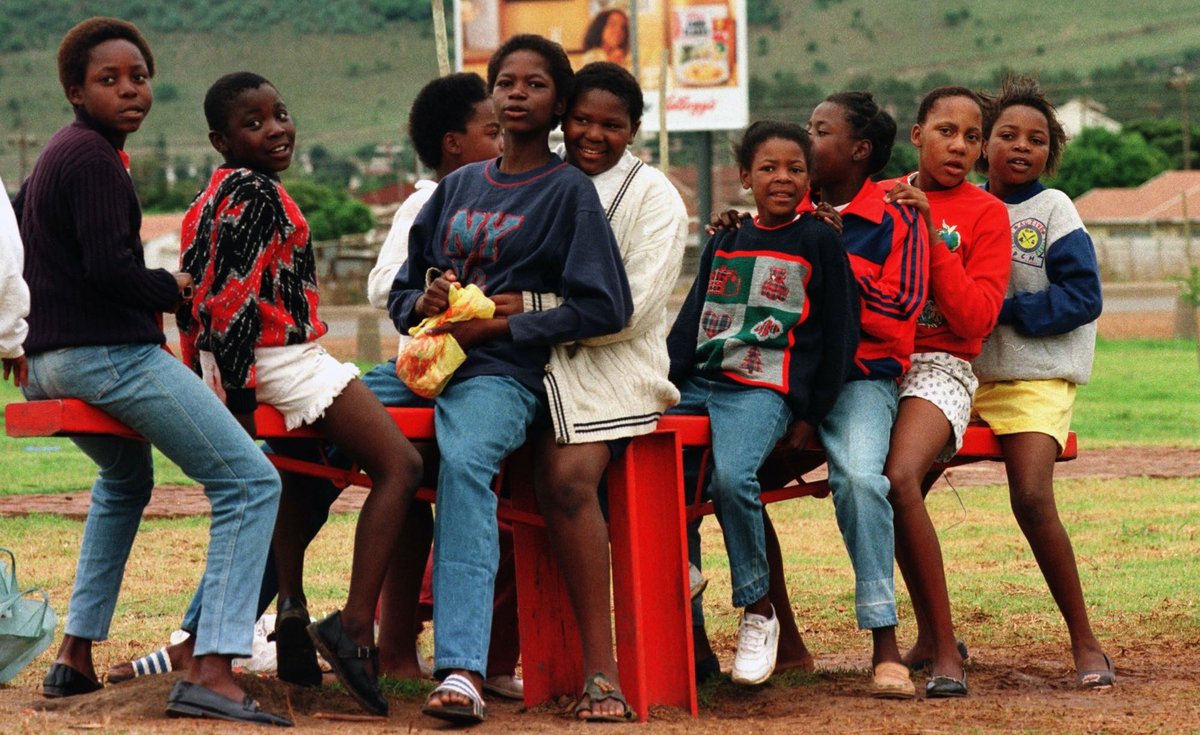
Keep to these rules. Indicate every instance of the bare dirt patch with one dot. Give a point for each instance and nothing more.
(1018, 689)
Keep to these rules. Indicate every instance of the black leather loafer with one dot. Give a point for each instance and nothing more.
(193, 700)
(64, 681)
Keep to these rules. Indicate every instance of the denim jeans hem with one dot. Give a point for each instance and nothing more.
(753, 591)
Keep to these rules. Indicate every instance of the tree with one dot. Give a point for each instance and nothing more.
(1100, 158)
(1166, 135)
(330, 212)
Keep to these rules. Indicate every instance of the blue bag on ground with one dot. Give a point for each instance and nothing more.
(26, 623)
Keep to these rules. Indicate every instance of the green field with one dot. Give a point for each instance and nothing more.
(350, 90)
(1142, 393)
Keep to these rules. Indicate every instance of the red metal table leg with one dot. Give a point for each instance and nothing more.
(650, 588)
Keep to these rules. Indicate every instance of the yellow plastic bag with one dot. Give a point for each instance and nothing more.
(428, 361)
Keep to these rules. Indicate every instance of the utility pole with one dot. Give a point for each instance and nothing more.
(24, 143)
(1180, 81)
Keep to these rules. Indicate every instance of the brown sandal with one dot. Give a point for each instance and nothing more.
(598, 688)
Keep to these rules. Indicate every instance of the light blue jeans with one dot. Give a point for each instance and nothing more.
(856, 434)
(479, 421)
(152, 392)
(746, 424)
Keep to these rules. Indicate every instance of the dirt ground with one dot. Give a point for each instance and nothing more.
(1026, 689)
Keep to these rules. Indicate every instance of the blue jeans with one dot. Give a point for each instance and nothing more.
(479, 421)
(392, 392)
(152, 392)
(746, 424)
(856, 434)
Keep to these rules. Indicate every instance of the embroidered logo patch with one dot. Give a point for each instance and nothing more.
(949, 235)
(931, 316)
(1029, 242)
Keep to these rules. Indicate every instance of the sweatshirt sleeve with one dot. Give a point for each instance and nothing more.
(839, 307)
(1073, 297)
(595, 291)
(969, 289)
(682, 340)
(652, 253)
(14, 294)
(897, 294)
(100, 202)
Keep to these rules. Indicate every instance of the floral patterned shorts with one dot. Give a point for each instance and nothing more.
(948, 383)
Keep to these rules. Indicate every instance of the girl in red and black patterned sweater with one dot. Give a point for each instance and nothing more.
(251, 331)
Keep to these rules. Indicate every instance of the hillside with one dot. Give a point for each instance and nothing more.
(348, 90)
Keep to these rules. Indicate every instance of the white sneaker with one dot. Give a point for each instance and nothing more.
(696, 580)
(758, 644)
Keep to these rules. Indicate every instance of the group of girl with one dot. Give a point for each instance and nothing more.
(579, 253)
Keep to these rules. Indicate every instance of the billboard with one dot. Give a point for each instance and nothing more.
(707, 81)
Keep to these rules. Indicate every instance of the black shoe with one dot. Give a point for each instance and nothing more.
(944, 687)
(193, 700)
(349, 662)
(64, 681)
(296, 658)
(707, 668)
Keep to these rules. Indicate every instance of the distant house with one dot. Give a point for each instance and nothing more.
(1140, 232)
(160, 239)
(1081, 112)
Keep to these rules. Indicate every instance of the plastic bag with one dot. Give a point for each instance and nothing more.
(26, 625)
(428, 361)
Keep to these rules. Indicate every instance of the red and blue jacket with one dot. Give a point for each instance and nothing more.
(889, 255)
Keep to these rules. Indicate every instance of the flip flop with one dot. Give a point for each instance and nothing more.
(946, 687)
(598, 688)
(462, 714)
(1099, 678)
(158, 662)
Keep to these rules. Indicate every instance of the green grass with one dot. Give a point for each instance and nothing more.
(1135, 541)
(1142, 392)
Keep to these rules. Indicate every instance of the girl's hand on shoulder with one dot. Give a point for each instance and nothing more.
(475, 332)
(906, 194)
(830, 216)
(730, 219)
(508, 303)
(436, 298)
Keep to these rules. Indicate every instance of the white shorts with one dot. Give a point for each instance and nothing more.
(298, 380)
(948, 383)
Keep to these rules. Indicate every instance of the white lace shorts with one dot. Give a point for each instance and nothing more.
(298, 380)
(948, 383)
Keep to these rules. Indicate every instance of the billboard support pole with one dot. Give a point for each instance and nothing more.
(439, 36)
(704, 179)
(664, 150)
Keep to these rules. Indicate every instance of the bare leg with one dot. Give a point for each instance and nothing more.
(360, 426)
(1029, 460)
(398, 623)
(793, 653)
(567, 480)
(920, 432)
(77, 653)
